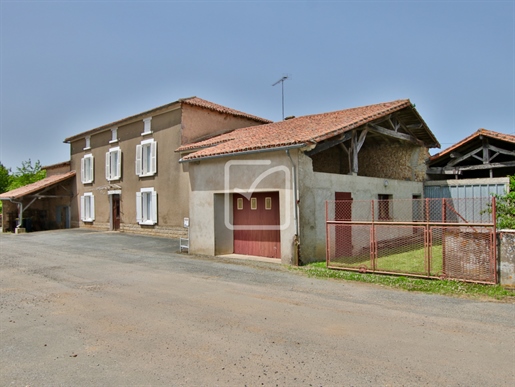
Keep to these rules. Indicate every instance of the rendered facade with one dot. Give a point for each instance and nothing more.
(291, 168)
(128, 175)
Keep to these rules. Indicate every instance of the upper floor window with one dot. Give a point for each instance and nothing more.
(114, 164)
(114, 135)
(87, 207)
(146, 206)
(146, 158)
(88, 142)
(147, 128)
(87, 169)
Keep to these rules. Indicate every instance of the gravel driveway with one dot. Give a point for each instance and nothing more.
(82, 308)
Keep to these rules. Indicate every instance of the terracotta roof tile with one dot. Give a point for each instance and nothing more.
(195, 101)
(302, 130)
(37, 186)
(480, 132)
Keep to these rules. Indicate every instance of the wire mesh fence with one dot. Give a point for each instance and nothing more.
(435, 238)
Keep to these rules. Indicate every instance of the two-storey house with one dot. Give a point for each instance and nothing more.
(128, 176)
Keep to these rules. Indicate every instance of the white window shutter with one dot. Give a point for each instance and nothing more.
(108, 166)
(82, 208)
(154, 207)
(119, 164)
(153, 150)
(82, 170)
(138, 207)
(92, 207)
(91, 175)
(138, 159)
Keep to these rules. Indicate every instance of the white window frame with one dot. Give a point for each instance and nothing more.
(87, 207)
(146, 158)
(146, 206)
(114, 135)
(88, 143)
(147, 126)
(114, 164)
(87, 169)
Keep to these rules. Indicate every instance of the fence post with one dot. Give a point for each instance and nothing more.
(373, 241)
(493, 252)
(327, 241)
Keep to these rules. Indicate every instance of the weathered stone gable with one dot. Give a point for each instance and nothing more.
(393, 161)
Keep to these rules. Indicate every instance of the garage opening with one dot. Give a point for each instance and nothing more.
(256, 221)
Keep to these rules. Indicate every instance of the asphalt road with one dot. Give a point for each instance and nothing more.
(81, 308)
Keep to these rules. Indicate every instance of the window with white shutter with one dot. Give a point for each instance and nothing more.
(146, 158)
(147, 126)
(87, 207)
(146, 206)
(86, 169)
(114, 164)
(114, 135)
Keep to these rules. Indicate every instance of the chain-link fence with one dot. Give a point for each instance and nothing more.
(435, 238)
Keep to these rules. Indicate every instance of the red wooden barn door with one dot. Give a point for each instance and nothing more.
(343, 211)
(261, 210)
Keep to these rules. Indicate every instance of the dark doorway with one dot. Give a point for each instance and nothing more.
(115, 214)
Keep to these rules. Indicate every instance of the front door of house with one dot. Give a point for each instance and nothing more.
(115, 212)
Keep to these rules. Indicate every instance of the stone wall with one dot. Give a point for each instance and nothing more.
(393, 161)
(384, 160)
(506, 257)
(168, 232)
(333, 160)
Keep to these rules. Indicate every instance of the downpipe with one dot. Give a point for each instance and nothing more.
(20, 214)
(296, 239)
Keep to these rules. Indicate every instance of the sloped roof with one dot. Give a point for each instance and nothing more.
(310, 129)
(192, 101)
(199, 102)
(37, 186)
(480, 132)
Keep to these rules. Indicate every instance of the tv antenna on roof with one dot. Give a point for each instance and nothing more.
(281, 81)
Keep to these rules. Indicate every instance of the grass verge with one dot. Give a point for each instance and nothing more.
(442, 287)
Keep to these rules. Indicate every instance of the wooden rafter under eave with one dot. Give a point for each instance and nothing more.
(452, 170)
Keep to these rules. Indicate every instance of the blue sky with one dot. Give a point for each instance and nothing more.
(70, 66)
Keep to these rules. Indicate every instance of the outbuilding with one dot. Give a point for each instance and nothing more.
(261, 190)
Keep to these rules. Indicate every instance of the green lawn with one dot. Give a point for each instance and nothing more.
(443, 287)
(411, 261)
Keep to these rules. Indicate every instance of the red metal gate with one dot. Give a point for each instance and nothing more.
(432, 238)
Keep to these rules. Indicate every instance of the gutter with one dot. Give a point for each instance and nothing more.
(253, 151)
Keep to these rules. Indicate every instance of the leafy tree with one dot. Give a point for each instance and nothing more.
(5, 178)
(505, 208)
(26, 174)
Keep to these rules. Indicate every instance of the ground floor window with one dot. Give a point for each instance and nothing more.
(146, 206)
(87, 207)
(384, 207)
